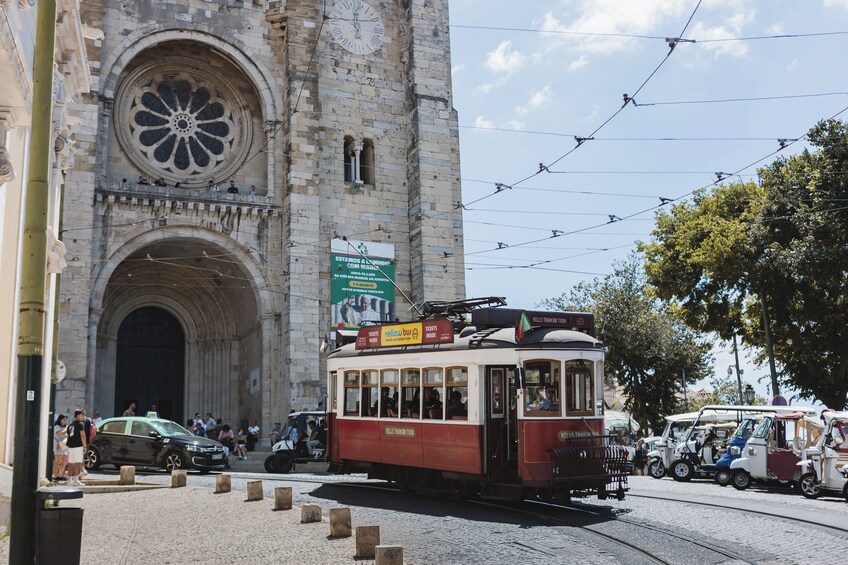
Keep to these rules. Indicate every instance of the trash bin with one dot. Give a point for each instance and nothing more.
(58, 530)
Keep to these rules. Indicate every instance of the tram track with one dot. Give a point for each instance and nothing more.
(794, 519)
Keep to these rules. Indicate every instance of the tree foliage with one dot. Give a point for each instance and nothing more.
(781, 245)
(647, 347)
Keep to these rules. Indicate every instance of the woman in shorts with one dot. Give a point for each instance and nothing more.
(60, 449)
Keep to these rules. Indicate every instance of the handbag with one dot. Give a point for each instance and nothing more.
(63, 445)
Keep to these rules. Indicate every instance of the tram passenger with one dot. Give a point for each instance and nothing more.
(456, 407)
(414, 406)
(433, 405)
(387, 405)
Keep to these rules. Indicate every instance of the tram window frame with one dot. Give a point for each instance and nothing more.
(460, 385)
(533, 387)
(391, 386)
(426, 414)
(334, 397)
(572, 382)
(373, 389)
(496, 393)
(352, 386)
(406, 411)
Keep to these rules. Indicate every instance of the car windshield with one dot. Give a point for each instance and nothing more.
(763, 429)
(744, 430)
(167, 428)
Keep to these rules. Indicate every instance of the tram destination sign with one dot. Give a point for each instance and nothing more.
(396, 335)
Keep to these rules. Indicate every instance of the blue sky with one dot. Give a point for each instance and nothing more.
(567, 85)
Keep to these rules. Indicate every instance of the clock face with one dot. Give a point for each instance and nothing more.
(356, 26)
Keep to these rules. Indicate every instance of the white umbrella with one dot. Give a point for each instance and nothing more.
(616, 419)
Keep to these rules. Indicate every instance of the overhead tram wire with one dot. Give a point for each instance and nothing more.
(649, 37)
(557, 134)
(672, 43)
(720, 177)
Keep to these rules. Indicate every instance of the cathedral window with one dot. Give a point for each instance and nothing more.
(366, 162)
(349, 159)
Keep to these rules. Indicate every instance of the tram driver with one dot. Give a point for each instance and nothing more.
(549, 402)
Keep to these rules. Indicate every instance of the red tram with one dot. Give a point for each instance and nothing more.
(510, 407)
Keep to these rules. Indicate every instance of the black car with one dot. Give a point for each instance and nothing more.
(152, 442)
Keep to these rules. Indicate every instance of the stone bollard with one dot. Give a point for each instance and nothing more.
(340, 523)
(367, 539)
(223, 483)
(310, 513)
(178, 478)
(254, 490)
(127, 475)
(283, 498)
(388, 555)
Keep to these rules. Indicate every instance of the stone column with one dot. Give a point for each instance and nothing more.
(7, 170)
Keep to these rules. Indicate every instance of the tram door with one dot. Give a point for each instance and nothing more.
(500, 422)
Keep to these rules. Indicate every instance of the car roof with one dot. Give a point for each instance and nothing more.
(135, 419)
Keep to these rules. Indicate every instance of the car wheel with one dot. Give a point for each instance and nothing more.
(740, 479)
(656, 469)
(809, 486)
(175, 460)
(92, 459)
(682, 470)
(722, 477)
(283, 463)
(845, 492)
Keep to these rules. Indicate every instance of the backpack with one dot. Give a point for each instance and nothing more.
(92, 429)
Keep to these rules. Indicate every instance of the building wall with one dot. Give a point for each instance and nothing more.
(304, 94)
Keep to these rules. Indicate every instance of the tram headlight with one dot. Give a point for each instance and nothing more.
(735, 451)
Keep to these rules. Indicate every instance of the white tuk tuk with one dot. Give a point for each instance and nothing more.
(773, 451)
(660, 457)
(824, 467)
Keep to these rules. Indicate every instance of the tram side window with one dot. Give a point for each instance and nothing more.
(457, 393)
(389, 394)
(578, 388)
(370, 393)
(433, 389)
(334, 398)
(351, 393)
(410, 393)
(541, 389)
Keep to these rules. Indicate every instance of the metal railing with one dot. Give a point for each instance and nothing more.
(590, 463)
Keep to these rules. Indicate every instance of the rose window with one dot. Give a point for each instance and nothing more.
(184, 124)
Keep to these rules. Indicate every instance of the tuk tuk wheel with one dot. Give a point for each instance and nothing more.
(682, 470)
(722, 477)
(269, 464)
(809, 486)
(740, 479)
(656, 469)
(283, 463)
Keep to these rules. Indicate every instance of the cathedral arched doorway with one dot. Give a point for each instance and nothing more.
(150, 363)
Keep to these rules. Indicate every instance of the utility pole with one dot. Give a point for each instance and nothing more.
(31, 314)
(738, 372)
(769, 348)
(685, 396)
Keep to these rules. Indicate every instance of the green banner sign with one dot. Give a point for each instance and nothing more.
(361, 287)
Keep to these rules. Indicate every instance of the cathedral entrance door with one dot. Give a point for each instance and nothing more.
(150, 364)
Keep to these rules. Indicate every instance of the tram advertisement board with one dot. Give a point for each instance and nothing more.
(361, 287)
(415, 333)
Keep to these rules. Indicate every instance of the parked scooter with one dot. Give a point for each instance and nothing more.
(773, 451)
(824, 467)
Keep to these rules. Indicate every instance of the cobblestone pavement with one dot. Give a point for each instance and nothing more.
(192, 525)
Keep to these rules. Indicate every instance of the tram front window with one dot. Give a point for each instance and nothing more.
(578, 388)
(542, 388)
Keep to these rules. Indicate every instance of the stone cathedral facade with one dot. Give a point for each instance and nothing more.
(333, 119)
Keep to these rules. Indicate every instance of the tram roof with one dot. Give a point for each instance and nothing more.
(541, 338)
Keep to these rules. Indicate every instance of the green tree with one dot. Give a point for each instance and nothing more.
(780, 248)
(647, 346)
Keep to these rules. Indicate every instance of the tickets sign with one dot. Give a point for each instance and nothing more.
(396, 335)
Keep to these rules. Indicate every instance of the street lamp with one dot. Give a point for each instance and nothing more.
(750, 394)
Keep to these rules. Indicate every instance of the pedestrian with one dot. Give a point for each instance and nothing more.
(638, 459)
(241, 445)
(60, 447)
(153, 412)
(252, 435)
(77, 444)
(130, 411)
(97, 419)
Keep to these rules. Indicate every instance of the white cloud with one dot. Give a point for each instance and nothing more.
(645, 17)
(484, 88)
(481, 122)
(504, 59)
(537, 100)
(514, 124)
(457, 68)
(831, 3)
